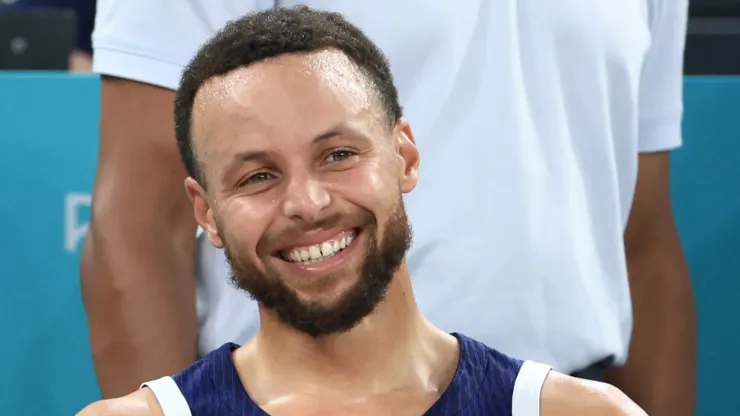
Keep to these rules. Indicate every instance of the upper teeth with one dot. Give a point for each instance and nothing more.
(318, 252)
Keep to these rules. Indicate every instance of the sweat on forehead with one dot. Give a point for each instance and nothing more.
(305, 87)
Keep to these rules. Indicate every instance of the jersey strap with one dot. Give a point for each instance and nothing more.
(527, 388)
(169, 396)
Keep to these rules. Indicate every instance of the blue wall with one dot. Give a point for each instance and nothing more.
(48, 137)
(48, 133)
(706, 198)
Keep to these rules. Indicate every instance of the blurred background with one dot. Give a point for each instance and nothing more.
(49, 115)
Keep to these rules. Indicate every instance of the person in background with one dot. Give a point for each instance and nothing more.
(544, 211)
(80, 60)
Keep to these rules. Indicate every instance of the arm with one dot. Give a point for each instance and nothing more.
(569, 396)
(660, 373)
(140, 403)
(138, 263)
(137, 266)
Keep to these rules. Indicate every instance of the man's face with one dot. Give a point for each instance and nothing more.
(304, 179)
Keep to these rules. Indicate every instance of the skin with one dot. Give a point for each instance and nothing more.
(137, 267)
(80, 61)
(394, 360)
(660, 374)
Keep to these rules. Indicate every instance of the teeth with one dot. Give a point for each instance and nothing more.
(314, 252)
(327, 249)
(318, 252)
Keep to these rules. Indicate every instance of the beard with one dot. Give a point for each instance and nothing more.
(313, 317)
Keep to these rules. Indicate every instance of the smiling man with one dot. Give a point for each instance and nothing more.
(289, 126)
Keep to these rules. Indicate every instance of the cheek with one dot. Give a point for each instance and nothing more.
(244, 222)
(369, 185)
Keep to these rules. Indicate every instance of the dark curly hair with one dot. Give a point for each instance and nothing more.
(274, 32)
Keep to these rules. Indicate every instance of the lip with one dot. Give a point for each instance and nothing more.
(333, 262)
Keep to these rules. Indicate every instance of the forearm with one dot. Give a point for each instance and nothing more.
(139, 294)
(660, 374)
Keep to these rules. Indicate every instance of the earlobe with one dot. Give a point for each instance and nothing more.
(408, 155)
(202, 211)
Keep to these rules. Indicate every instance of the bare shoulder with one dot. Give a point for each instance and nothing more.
(564, 395)
(139, 403)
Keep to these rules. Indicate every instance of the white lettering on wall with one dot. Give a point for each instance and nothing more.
(74, 230)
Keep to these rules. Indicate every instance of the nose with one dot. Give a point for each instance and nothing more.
(305, 198)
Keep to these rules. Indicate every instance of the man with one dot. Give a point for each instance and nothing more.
(533, 118)
(290, 129)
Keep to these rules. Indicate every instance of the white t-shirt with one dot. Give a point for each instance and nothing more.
(529, 115)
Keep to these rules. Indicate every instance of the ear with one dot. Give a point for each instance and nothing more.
(407, 154)
(203, 212)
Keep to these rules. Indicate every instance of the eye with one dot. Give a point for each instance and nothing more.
(257, 178)
(339, 156)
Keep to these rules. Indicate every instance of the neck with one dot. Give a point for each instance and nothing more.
(393, 348)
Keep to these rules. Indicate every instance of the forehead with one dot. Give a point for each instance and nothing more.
(287, 96)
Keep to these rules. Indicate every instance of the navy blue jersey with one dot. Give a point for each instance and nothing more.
(486, 383)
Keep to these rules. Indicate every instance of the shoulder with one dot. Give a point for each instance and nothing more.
(563, 395)
(140, 403)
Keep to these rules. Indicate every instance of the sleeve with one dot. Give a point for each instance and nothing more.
(661, 83)
(152, 41)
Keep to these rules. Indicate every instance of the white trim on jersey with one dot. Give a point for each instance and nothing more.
(169, 396)
(527, 388)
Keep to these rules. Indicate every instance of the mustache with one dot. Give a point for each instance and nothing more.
(269, 241)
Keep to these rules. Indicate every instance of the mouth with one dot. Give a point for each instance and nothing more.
(321, 251)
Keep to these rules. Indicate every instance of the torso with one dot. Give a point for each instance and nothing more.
(310, 405)
(483, 385)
